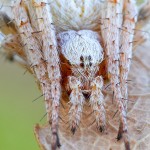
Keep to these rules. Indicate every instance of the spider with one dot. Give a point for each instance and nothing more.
(71, 56)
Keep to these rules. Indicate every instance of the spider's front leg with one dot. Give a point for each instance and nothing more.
(126, 42)
(97, 102)
(34, 24)
(111, 25)
(77, 100)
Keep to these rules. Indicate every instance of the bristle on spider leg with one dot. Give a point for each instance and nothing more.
(38, 98)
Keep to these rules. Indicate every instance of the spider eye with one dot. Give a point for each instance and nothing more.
(82, 65)
(90, 64)
(89, 57)
(81, 58)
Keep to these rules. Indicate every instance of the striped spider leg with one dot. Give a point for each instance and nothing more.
(118, 25)
(126, 42)
(37, 34)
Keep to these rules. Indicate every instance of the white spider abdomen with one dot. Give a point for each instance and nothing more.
(81, 48)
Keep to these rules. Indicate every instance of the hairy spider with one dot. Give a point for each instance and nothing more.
(71, 56)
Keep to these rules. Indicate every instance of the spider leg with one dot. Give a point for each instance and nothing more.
(77, 101)
(13, 46)
(110, 28)
(43, 58)
(97, 103)
(7, 25)
(42, 20)
(126, 42)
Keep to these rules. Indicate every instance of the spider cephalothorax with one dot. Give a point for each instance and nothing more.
(72, 59)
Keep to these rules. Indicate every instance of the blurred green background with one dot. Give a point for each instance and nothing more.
(18, 114)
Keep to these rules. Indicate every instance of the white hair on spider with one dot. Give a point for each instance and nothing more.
(81, 48)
